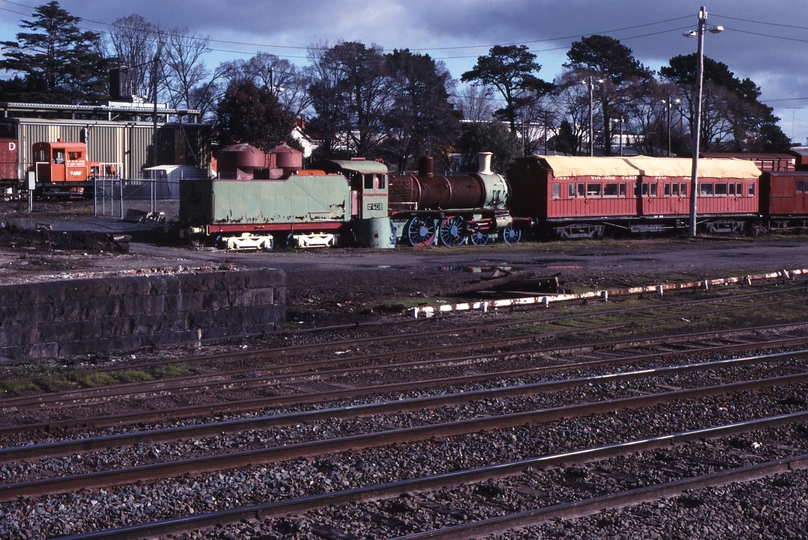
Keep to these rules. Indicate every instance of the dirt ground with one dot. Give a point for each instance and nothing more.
(62, 240)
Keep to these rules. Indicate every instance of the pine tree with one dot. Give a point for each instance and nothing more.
(59, 62)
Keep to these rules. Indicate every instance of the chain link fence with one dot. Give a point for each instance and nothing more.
(136, 198)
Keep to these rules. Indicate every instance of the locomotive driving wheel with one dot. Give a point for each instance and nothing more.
(452, 231)
(421, 231)
(511, 235)
(478, 238)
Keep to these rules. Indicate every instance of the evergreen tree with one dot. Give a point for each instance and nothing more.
(252, 115)
(60, 63)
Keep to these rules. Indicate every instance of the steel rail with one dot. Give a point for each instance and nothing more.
(159, 471)
(320, 396)
(458, 478)
(186, 384)
(63, 448)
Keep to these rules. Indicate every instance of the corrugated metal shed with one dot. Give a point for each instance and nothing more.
(128, 145)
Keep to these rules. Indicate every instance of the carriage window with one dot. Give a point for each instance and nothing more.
(800, 186)
(581, 190)
(751, 190)
(556, 191)
(683, 189)
(675, 189)
(622, 190)
(610, 190)
(382, 181)
(706, 189)
(368, 181)
(732, 189)
(739, 190)
(653, 190)
(571, 190)
(667, 190)
(644, 189)
(593, 190)
(720, 189)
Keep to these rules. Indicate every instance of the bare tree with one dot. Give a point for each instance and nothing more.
(572, 103)
(476, 103)
(134, 41)
(183, 68)
(350, 92)
(278, 75)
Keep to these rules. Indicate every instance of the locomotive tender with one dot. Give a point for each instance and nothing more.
(263, 200)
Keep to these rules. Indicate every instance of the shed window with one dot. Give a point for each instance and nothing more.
(556, 191)
(610, 190)
(593, 190)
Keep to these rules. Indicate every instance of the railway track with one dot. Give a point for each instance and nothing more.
(313, 387)
(362, 444)
(418, 488)
(459, 439)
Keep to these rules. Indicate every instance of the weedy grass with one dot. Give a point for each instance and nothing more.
(17, 387)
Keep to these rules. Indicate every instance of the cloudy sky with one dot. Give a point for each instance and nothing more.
(766, 41)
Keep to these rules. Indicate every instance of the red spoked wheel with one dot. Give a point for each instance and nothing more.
(452, 231)
(421, 231)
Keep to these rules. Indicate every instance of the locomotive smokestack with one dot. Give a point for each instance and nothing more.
(485, 162)
(426, 166)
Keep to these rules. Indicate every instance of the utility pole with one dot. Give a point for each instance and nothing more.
(694, 179)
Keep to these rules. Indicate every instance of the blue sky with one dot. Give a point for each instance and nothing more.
(764, 41)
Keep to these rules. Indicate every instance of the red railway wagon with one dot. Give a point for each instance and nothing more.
(9, 152)
(784, 200)
(764, 161)
(580, 197)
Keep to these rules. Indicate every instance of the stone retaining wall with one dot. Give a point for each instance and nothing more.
(72, 317)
